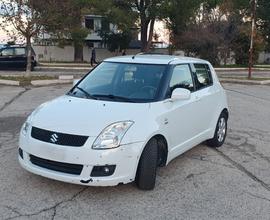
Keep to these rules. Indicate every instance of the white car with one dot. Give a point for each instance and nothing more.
(124, 119)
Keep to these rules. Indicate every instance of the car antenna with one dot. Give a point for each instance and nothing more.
(137, 55)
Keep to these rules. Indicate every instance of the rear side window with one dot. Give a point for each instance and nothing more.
(19, 51)
(202, 76)
(181, 78)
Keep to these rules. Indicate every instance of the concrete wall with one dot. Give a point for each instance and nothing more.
(264, 58)
(66, 54)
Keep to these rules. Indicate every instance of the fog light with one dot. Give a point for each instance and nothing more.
(106, 170)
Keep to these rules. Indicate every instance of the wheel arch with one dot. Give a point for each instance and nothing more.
(226, 112)
(162, 148)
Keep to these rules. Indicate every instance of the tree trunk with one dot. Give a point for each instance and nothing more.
(144, 32)
(78, 53)
(151, 32)
(29, 57)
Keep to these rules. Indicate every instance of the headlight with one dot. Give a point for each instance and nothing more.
(25, 128)
(112, 135)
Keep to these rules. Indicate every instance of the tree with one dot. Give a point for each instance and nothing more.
(212, 29)
(119, 14)
(125, 13)
(116, 41)
(25, 19)
(148, 12)
(64, 22)
(264, 20)
(180, 16)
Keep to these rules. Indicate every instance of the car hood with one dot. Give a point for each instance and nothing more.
(80, 116)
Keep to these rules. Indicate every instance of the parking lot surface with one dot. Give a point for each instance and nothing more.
(232, 182)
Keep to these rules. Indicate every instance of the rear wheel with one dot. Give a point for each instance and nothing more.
(220, 132)
(146, 171)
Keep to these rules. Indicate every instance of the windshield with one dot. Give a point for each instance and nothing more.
(121, 82)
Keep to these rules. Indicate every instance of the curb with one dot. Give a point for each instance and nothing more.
(63, 79)
(37, 82)
(241, 69)
(50, 82)
(247, 82)
(9, 82)
(63, 68)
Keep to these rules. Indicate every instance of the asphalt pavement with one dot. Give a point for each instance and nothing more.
(232, 182)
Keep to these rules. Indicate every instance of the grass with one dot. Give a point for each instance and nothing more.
(266, 66)
(26, 80)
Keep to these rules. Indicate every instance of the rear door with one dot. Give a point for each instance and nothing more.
(20, 59)
(204, 94)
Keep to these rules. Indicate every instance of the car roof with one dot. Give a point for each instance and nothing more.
(154, 59)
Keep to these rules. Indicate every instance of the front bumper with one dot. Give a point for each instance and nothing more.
(125, 158)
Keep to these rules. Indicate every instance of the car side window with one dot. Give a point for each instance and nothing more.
(181, 78)
(19, 51)
(202, 76)
(8, 52)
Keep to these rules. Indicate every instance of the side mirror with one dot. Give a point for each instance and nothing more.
(75, 81)
(180, 94)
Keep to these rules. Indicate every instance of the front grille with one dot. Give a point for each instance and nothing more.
(58, 138)
(57, 166)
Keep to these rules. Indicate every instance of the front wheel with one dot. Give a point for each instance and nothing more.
(146, 171)
(220, 132)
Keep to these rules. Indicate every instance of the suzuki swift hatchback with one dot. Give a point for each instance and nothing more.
(125, 118)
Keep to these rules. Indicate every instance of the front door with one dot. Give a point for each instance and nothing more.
(182, 115)
(6, 58)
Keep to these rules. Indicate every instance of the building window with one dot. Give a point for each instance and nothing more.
(89, 23)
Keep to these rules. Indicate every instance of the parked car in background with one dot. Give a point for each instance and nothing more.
(15, 57)
(124, 119)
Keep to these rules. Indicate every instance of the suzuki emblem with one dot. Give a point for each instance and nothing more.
(54, 138)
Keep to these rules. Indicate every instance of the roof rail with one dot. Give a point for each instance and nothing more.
(14, 45)
(154, 53)
(147, 53)
(173, 60)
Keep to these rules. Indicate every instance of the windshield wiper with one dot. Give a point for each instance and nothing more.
(114, 97)
(88, 95)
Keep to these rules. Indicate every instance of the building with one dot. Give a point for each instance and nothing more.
(94, 23)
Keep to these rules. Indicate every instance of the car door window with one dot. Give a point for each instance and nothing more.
(7, 52)
(19, 51)
(181, 78)
(202, 76)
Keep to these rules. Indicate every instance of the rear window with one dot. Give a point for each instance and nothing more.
(203, 77)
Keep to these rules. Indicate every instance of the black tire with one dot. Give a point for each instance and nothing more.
(216, 141)
(146, 171)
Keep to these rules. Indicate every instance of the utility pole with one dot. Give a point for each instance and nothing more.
(251, 49)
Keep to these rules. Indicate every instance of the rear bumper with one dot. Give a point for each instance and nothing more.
(124, 157)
